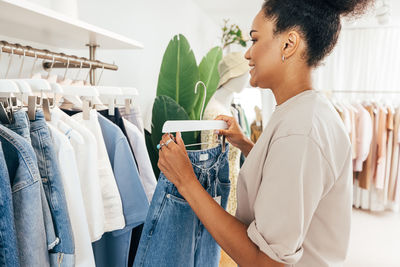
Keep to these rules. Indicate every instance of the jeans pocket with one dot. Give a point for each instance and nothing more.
(177, 199)
(156, 217)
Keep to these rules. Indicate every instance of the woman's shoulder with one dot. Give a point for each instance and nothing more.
(312, 116)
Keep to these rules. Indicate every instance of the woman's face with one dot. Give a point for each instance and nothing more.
(264, 55)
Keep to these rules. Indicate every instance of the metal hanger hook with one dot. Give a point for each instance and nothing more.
(101, 74)
(22, 63)
(34, 63)
(66, 70)
(51, 66)
(79, 71)
(10, 61)
(90, 68)
(204, 96)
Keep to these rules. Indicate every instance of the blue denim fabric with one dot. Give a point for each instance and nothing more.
(29, 209)
(112, 250)
(172, 234)
(8, 235)
(63, 253)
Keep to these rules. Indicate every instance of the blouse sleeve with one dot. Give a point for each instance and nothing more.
(296, 176)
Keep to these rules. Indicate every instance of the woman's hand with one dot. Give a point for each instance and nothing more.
(174, 162)
(234, 135)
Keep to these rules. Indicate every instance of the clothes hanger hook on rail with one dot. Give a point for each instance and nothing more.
(66, 70)
(79, 71)
(51, 67)
(22, 63)
(34, 63)
(101, 74)
(204, 97)
(90, 68)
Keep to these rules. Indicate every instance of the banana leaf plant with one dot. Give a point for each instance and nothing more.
(176, 98)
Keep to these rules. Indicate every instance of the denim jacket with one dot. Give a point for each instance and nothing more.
(21, 127)
(35, 232)
(8, 235)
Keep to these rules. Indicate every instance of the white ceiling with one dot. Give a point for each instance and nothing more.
(242, 12)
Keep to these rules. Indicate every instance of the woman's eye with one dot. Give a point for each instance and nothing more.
(253, 40)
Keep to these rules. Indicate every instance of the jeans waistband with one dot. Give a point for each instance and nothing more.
(208, 158)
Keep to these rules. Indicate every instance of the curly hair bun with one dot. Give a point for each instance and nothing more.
(347, 7)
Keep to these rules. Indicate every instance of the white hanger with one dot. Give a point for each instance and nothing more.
(128, 95)
(173, 126)
(108, 94)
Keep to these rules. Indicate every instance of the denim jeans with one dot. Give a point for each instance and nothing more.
(63, 253)
(172, 234)
(34, 228)
(8, 235)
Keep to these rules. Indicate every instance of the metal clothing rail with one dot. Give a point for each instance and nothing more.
(58, 60)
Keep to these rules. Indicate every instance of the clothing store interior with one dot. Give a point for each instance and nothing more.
(90, 89)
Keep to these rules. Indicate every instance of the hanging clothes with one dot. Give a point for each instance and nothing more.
(138, 144)
(133, 115)
(116, 245)
(86, 155)
(29, 200)
(76, 208)
(172, 234)
(365, 177)
(8, 242)
(112, 205)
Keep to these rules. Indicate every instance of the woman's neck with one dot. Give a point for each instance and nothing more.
(292, 86)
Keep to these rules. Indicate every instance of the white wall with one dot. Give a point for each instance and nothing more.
(153, 23)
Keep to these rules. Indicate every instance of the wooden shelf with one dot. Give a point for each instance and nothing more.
(23, 20)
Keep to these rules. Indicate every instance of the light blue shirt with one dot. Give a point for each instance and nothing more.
(134, 201)
(113, 248)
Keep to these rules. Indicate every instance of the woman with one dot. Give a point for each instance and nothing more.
(294, 189)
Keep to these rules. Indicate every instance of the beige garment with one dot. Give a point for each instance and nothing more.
(381, 141)
(395, 156)
(389, 150)
(256, 131)
(366, 175)
(233, 156)
(295, 187)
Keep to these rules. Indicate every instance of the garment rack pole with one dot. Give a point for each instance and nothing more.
(92, 57)
(56, 60)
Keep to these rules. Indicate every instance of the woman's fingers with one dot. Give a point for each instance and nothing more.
(179, 140)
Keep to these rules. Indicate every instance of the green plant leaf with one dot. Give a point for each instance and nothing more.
(153, 153)
(209, 76)
(165, 108)
(179, 73)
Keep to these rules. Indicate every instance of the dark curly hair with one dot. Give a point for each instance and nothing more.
(317, 20)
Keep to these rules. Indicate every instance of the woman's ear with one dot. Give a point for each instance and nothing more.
(291, 43)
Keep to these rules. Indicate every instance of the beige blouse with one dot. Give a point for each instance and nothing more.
(295, 187)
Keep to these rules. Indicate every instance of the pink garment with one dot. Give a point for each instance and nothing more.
(381, 149)
(363, 123)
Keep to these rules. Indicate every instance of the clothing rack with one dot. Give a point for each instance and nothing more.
(58, 60)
